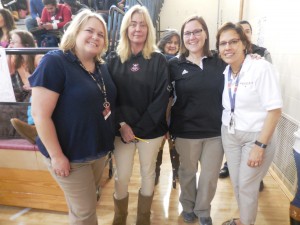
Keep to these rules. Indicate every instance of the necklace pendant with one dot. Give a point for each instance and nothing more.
(106, 105)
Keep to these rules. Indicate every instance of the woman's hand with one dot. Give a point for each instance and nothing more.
(255, 56)
(127, 133)
(60, 165)
(27, 87)
(255, 156)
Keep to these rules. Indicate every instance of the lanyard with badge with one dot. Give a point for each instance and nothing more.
(232, 98)
(101, 85)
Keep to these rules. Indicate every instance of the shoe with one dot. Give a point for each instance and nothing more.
(224, 172)
(25, 130)
(261, 186)
(205, 220)
(294, 215)
(230, 222)
(188, 217)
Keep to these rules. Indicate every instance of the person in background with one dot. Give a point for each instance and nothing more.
(7, 24)
(22, 66)
(263, 52)
(251, 90)
(75, 6)
(169, 45)
(73, 112)
(295, 204)
(255, 49)
(198, 84)
(140, 73)
(53, 19)
(36, 8)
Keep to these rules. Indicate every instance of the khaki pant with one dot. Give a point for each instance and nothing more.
(80, 190)
(124, 159)
(209, 152)
(245, 180)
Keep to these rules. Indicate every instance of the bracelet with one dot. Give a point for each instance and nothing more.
(260, 144)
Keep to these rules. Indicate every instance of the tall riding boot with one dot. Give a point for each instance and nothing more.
(174, 156)
(294, 215)
(143, 210)
(158, 164)
(121, 211)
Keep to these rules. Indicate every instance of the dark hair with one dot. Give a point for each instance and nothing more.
(8, 20)
(70, 2)
(27, 41)
(50, 2)
(239, 30)
(245, 22)
(166, 37)
(183, 49)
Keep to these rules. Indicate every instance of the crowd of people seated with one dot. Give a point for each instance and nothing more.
(46, 19)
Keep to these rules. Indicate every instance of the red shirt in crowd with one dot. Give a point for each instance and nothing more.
(62, 16)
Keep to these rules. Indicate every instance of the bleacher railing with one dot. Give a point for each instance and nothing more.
(113, 26)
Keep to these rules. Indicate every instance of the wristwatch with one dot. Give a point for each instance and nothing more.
(260, 144)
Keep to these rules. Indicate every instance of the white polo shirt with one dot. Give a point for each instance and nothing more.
(258, 92)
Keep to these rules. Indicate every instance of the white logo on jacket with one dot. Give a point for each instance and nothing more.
(184, 72)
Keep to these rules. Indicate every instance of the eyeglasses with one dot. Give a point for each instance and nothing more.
(231, 43)
(141, 25)
(196, 33)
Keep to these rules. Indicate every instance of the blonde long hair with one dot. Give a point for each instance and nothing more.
(124, 49)
(68, 41)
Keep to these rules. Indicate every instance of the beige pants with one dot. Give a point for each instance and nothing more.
(209, 152)
(80, 190)
(245, 180)
(124, 159)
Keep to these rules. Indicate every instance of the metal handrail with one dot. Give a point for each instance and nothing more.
(28, 51)
(139, 1)
(114, 23)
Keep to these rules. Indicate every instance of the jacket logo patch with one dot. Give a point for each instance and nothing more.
(135, 67)
(184, 72)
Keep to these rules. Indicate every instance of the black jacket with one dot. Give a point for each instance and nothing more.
(197, 111)
(143, 93)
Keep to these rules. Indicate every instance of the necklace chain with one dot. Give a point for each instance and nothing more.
(101, 85)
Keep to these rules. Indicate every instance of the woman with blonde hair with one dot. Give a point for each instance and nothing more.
(72, 105)
(140, 73)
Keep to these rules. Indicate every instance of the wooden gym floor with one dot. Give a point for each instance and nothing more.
(273, 203)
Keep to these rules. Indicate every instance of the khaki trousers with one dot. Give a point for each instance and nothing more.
(245, 180)
(124, 159)
(80, 190)
(209, 152)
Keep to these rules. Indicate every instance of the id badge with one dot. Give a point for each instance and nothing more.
(106, 113)
(231, 126)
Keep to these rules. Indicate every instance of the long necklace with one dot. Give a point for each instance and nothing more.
(100, 83)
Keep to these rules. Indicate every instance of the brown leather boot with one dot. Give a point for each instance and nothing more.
(144, 209)
(25, 130)
(294, 215)
(121, 211)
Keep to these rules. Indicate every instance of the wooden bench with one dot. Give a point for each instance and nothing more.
(24, 178)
